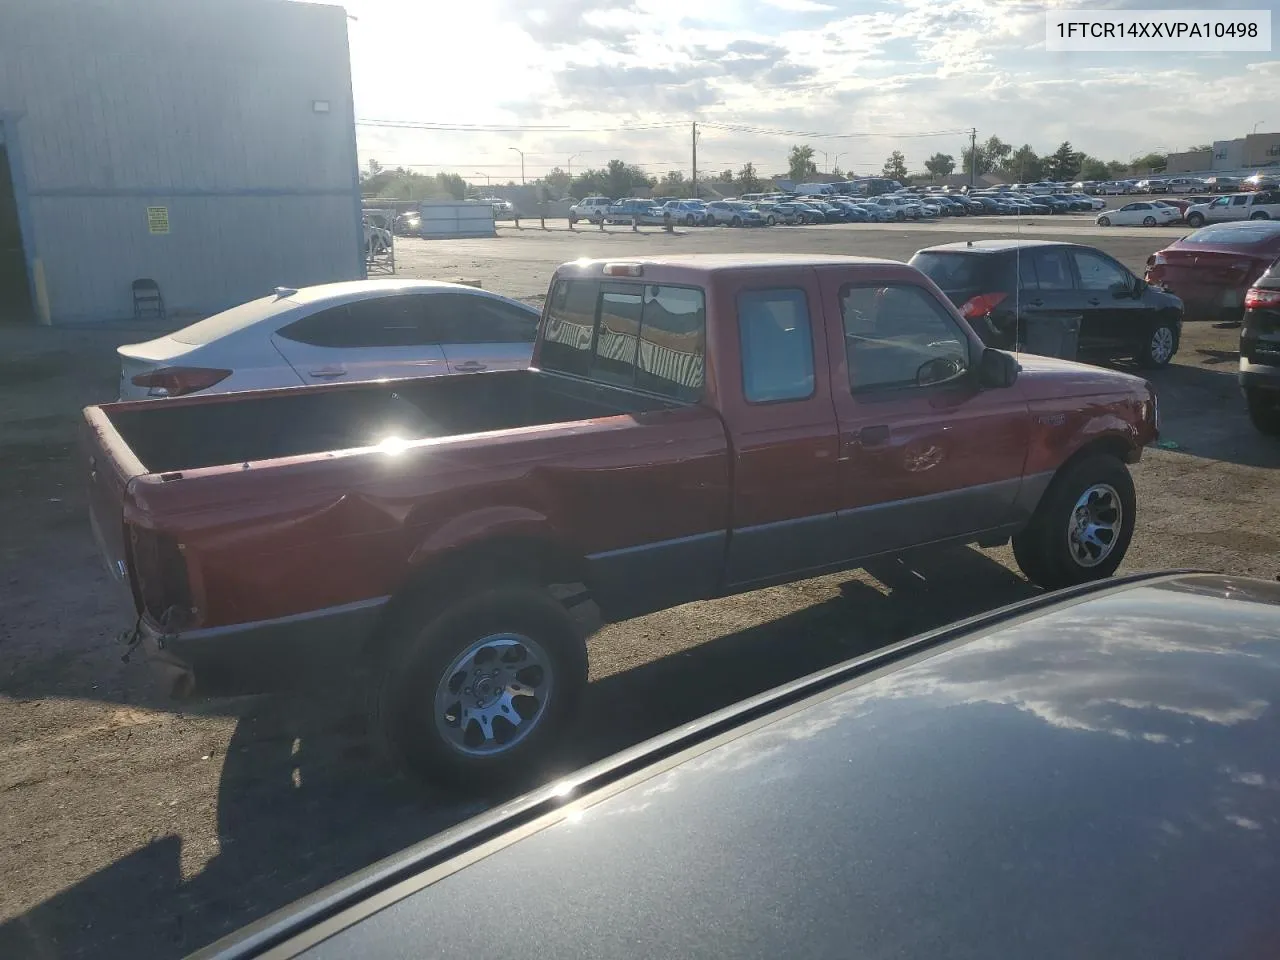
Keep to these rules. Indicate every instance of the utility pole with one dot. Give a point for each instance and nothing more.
(973, 157)
(695, 160)
(521, 152)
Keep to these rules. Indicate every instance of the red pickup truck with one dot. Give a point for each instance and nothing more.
(691, 427)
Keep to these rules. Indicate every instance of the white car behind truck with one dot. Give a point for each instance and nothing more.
(1259, 205)
(594, 209)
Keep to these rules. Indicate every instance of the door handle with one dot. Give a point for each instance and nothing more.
(328, 372)
(873, 436)
(471, 366)
(1035, 303)
(1094, 301)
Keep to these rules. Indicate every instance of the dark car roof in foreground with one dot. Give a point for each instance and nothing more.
(1094, 774)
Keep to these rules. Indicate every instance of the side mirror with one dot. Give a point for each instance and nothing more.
(997, 369)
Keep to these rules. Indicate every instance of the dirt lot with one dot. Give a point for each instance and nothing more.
(131, 826)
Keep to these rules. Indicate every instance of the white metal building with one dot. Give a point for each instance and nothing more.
(209, 146)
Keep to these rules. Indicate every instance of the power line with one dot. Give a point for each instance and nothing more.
(815, 135)
(519, 128)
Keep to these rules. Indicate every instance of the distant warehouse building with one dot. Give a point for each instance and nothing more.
(209, 146)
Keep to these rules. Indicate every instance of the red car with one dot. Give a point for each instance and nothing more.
(1210, 269)
(691, 427)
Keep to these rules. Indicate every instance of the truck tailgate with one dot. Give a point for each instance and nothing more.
(110, 465)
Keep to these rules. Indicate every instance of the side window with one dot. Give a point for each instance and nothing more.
(673, 337)
(467, 318)
(1130, 206)
(376, 322)
(1221, 202)
(1240, 201)
(1098, 273)
(1052, 271)
(776, 345)
(571, 318)
(900, 337)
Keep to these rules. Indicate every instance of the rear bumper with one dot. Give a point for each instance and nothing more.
(261, 656)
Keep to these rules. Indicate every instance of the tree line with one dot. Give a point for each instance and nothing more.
(621, 179)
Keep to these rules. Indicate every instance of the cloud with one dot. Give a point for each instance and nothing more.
(877, 68)
(799, 6)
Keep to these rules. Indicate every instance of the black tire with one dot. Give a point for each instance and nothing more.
(1163, 336)
(735, 222)
(1264, 410)
(1195, 220)
(1148, 221)
(1259, 215)
(900, 215)
(1104, 221)
(1042, 549)
(688, 220)
(770, 220)
(424, 646)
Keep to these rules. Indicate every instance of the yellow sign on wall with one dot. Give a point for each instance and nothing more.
(158, 219)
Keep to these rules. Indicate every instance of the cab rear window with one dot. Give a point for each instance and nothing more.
(650, 337)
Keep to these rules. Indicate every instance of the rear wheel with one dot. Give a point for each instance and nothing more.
(478, 693)
(1161, 345)
(1264, 410)
(770, 220)
(735, 222)
(688, 220)
(1104, 221)
(1082, 526)
(1195, 220)
(1148, 221)
(1259, 215)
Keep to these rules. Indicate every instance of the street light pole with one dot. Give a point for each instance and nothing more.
(1255, 126)
(571, 159)
(486, 177)
(521, 152)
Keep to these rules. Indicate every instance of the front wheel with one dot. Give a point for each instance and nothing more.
(1195, 220)
(1148, 221)
(1104, 221)
(1264, 410)
(476, 695)
(770, 221)
(1159, 348)
(735, 222)
(1082, 526)
(688, 220)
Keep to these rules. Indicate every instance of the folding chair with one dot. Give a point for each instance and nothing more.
(147, 298)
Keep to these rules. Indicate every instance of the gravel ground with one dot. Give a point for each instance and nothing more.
(131, 826)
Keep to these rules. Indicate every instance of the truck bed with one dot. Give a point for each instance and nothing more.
(236, 428)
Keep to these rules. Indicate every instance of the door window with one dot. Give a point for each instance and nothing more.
(898, 337)
(376, 322)
(776, 345)
(467, 318)
(1049, 269)
(1098, 272)
(1240, 201)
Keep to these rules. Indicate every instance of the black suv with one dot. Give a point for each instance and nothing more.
(1260, 351)
(1000, 285)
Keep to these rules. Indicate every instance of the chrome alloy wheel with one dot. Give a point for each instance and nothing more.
(493, 694)
(1162, 345)
(1094, 526)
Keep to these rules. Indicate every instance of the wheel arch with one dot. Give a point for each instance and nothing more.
(437, 577)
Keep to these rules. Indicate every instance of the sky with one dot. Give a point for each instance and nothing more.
(624, 79)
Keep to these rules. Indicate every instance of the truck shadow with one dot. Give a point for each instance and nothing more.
(303, 803)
